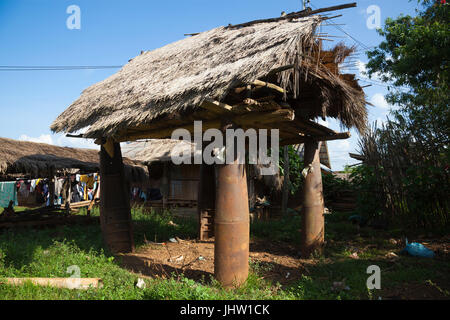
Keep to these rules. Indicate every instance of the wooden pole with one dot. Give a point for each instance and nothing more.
(206, 201)
(51, 188)
(165, 184)
(313, 223)
(115, 212)
(285, 195)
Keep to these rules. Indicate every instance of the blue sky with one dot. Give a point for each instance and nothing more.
(34, 32)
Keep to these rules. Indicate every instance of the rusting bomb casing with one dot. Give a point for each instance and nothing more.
(313, 222)
(232, 228)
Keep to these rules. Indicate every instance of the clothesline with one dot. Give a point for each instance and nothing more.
(74, 188)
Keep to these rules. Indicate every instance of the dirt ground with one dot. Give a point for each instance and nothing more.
(196, 260)
(278, 262)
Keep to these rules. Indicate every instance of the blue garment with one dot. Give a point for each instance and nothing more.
(143, 195)
(8, 192)
(418, 250)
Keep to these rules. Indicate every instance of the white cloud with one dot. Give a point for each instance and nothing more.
(342, 145)
(362, 70)
(61, 140)
(379, 101)
(43, 138)
(361, 66)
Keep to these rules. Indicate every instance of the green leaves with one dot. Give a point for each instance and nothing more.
(415, 54)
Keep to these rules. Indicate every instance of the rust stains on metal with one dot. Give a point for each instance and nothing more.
(313, 224)
(232, 226)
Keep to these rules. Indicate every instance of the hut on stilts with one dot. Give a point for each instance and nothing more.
(267, 74)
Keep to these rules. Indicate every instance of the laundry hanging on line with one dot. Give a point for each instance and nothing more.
(8, 192)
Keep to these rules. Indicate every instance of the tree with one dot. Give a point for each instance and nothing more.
(415, 55)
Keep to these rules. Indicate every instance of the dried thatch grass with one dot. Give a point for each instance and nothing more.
(40, 159)
(179, 76)
(157, 150)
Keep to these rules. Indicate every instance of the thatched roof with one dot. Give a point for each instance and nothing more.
(157, 150)
(178, 77)
(40, 159)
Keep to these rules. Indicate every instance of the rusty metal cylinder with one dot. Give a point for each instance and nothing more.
(232, 228)
(313, 222)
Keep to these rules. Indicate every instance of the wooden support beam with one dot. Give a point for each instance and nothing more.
(206, 204)
(269, 85)
(248, 119)
(285, 194)
(255, 118)
(295, 15)
(216, 106)
(303, 139)
(313, 127)
(115, 211)
(251, 105)
(165, 132)
(109, 147)
(66, 283)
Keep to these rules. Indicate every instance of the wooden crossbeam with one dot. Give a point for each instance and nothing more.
(251, 119)
(337, 136)
(269, 85)
(166, 132)
(216, 106)
(295, 15)
(255, 118)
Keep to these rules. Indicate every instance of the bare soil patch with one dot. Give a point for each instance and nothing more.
(278, 262)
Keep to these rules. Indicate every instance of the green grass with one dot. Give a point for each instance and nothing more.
(49, 252)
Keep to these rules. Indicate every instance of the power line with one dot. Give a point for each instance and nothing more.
(55, 68)
(384, 84)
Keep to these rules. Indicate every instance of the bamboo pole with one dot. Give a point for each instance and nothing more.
(285, 195)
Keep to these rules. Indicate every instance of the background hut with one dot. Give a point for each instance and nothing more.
(30, 160)
(39, 160)
(178, 184)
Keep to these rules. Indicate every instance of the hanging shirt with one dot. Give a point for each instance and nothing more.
(8, 192)
(23, 190)
(32, 185)
(89, 180)
(58, 186)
